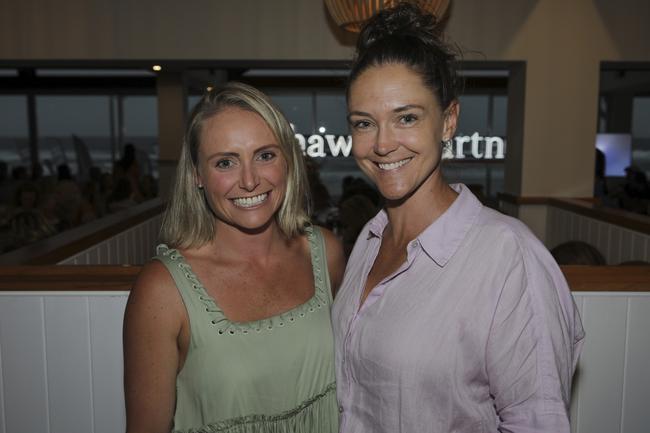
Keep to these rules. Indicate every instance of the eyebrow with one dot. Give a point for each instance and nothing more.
(395, 110)
(236, 154)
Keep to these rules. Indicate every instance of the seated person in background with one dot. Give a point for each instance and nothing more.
(229, 330)
(577, 253)
(635, 195)
(27, 223)
(68, 196)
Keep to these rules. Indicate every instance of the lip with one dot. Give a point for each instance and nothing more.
(251, 202)
(394, 165)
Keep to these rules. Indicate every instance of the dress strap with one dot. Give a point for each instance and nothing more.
(319, 262)
(196, 300)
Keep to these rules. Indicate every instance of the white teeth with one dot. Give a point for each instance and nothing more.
(250, 201)
(393, 165)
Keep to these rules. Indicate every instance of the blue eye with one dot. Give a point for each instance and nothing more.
(224, 164)
(266, 156)
(408, 119)
(360, 124)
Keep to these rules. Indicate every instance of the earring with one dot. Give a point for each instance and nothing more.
(199, 186)
(446, 143)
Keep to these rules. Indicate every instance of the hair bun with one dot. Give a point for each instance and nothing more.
(404, 20)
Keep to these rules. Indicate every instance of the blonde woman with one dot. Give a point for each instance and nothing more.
(228, 329)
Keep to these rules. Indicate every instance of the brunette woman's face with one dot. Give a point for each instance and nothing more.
(397, 127)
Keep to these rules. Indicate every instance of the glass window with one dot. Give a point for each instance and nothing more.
(141, 130)
(74, 130)
(640, 117)
(331, 111)
(14, 130)
(298, 107)
(499, 115)
(473, 114)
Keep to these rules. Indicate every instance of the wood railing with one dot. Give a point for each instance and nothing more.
(120, 278)
(71, 242)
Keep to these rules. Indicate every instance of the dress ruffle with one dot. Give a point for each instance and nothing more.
(312, 416)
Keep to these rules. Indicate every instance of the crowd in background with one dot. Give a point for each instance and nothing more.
(34, 206)
(631, 194)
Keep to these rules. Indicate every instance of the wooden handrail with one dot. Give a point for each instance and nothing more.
(70, 242)
(588, 207)
(619, 217)
(67, 278)
(121, 278)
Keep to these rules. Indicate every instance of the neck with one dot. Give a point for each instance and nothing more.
(233, 243)
(407, 218)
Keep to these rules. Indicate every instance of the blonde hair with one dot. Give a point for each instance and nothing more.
(188, 221)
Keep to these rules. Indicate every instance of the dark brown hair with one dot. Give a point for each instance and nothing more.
(408, 35)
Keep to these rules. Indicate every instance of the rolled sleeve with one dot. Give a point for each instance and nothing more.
(527, 354)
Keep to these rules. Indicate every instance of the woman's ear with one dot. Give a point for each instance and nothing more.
(450, 120)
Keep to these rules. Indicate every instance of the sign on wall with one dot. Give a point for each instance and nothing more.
(472, 146)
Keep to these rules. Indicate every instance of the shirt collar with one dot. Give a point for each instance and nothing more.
(441, 239)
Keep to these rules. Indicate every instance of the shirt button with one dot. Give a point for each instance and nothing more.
(340, 409)
(414, 244)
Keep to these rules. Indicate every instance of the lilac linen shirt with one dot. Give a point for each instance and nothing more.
(477, 332)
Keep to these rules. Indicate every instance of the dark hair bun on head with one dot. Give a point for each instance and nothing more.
(404, 20)
(406, 34)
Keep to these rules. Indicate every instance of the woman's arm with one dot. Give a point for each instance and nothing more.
(153, 322)
(335, 258)
(530, 352)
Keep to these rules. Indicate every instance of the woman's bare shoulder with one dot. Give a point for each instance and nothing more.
(155, 292)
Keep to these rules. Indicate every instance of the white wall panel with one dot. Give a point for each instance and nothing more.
(636, 403)
(134, 246)
(617, 244)
(575, 389)
(106, 314)
(583, 228)
(601, 371)
(639, 246)
(3, 428)
(68, 364)
(627, 245)
(23, 364)
(70, 345)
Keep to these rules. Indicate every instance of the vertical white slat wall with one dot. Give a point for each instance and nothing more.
(106, 360)
(134, 246)
(612, 386)
(69, 367)
(61, 363)
(24, 373)
(616, 243)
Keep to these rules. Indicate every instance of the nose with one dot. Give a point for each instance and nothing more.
(249, 179)
(385, 142)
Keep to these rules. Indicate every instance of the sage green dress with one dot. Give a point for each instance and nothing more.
(270, 375)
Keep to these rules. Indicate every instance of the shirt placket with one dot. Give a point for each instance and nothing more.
(411, 253)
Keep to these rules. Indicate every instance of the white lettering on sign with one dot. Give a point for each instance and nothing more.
(479, 147)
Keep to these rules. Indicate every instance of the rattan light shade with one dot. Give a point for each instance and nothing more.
(351, 14)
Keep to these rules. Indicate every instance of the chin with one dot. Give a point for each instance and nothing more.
(253, 227)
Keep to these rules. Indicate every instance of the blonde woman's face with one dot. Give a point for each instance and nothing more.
(241, 169)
